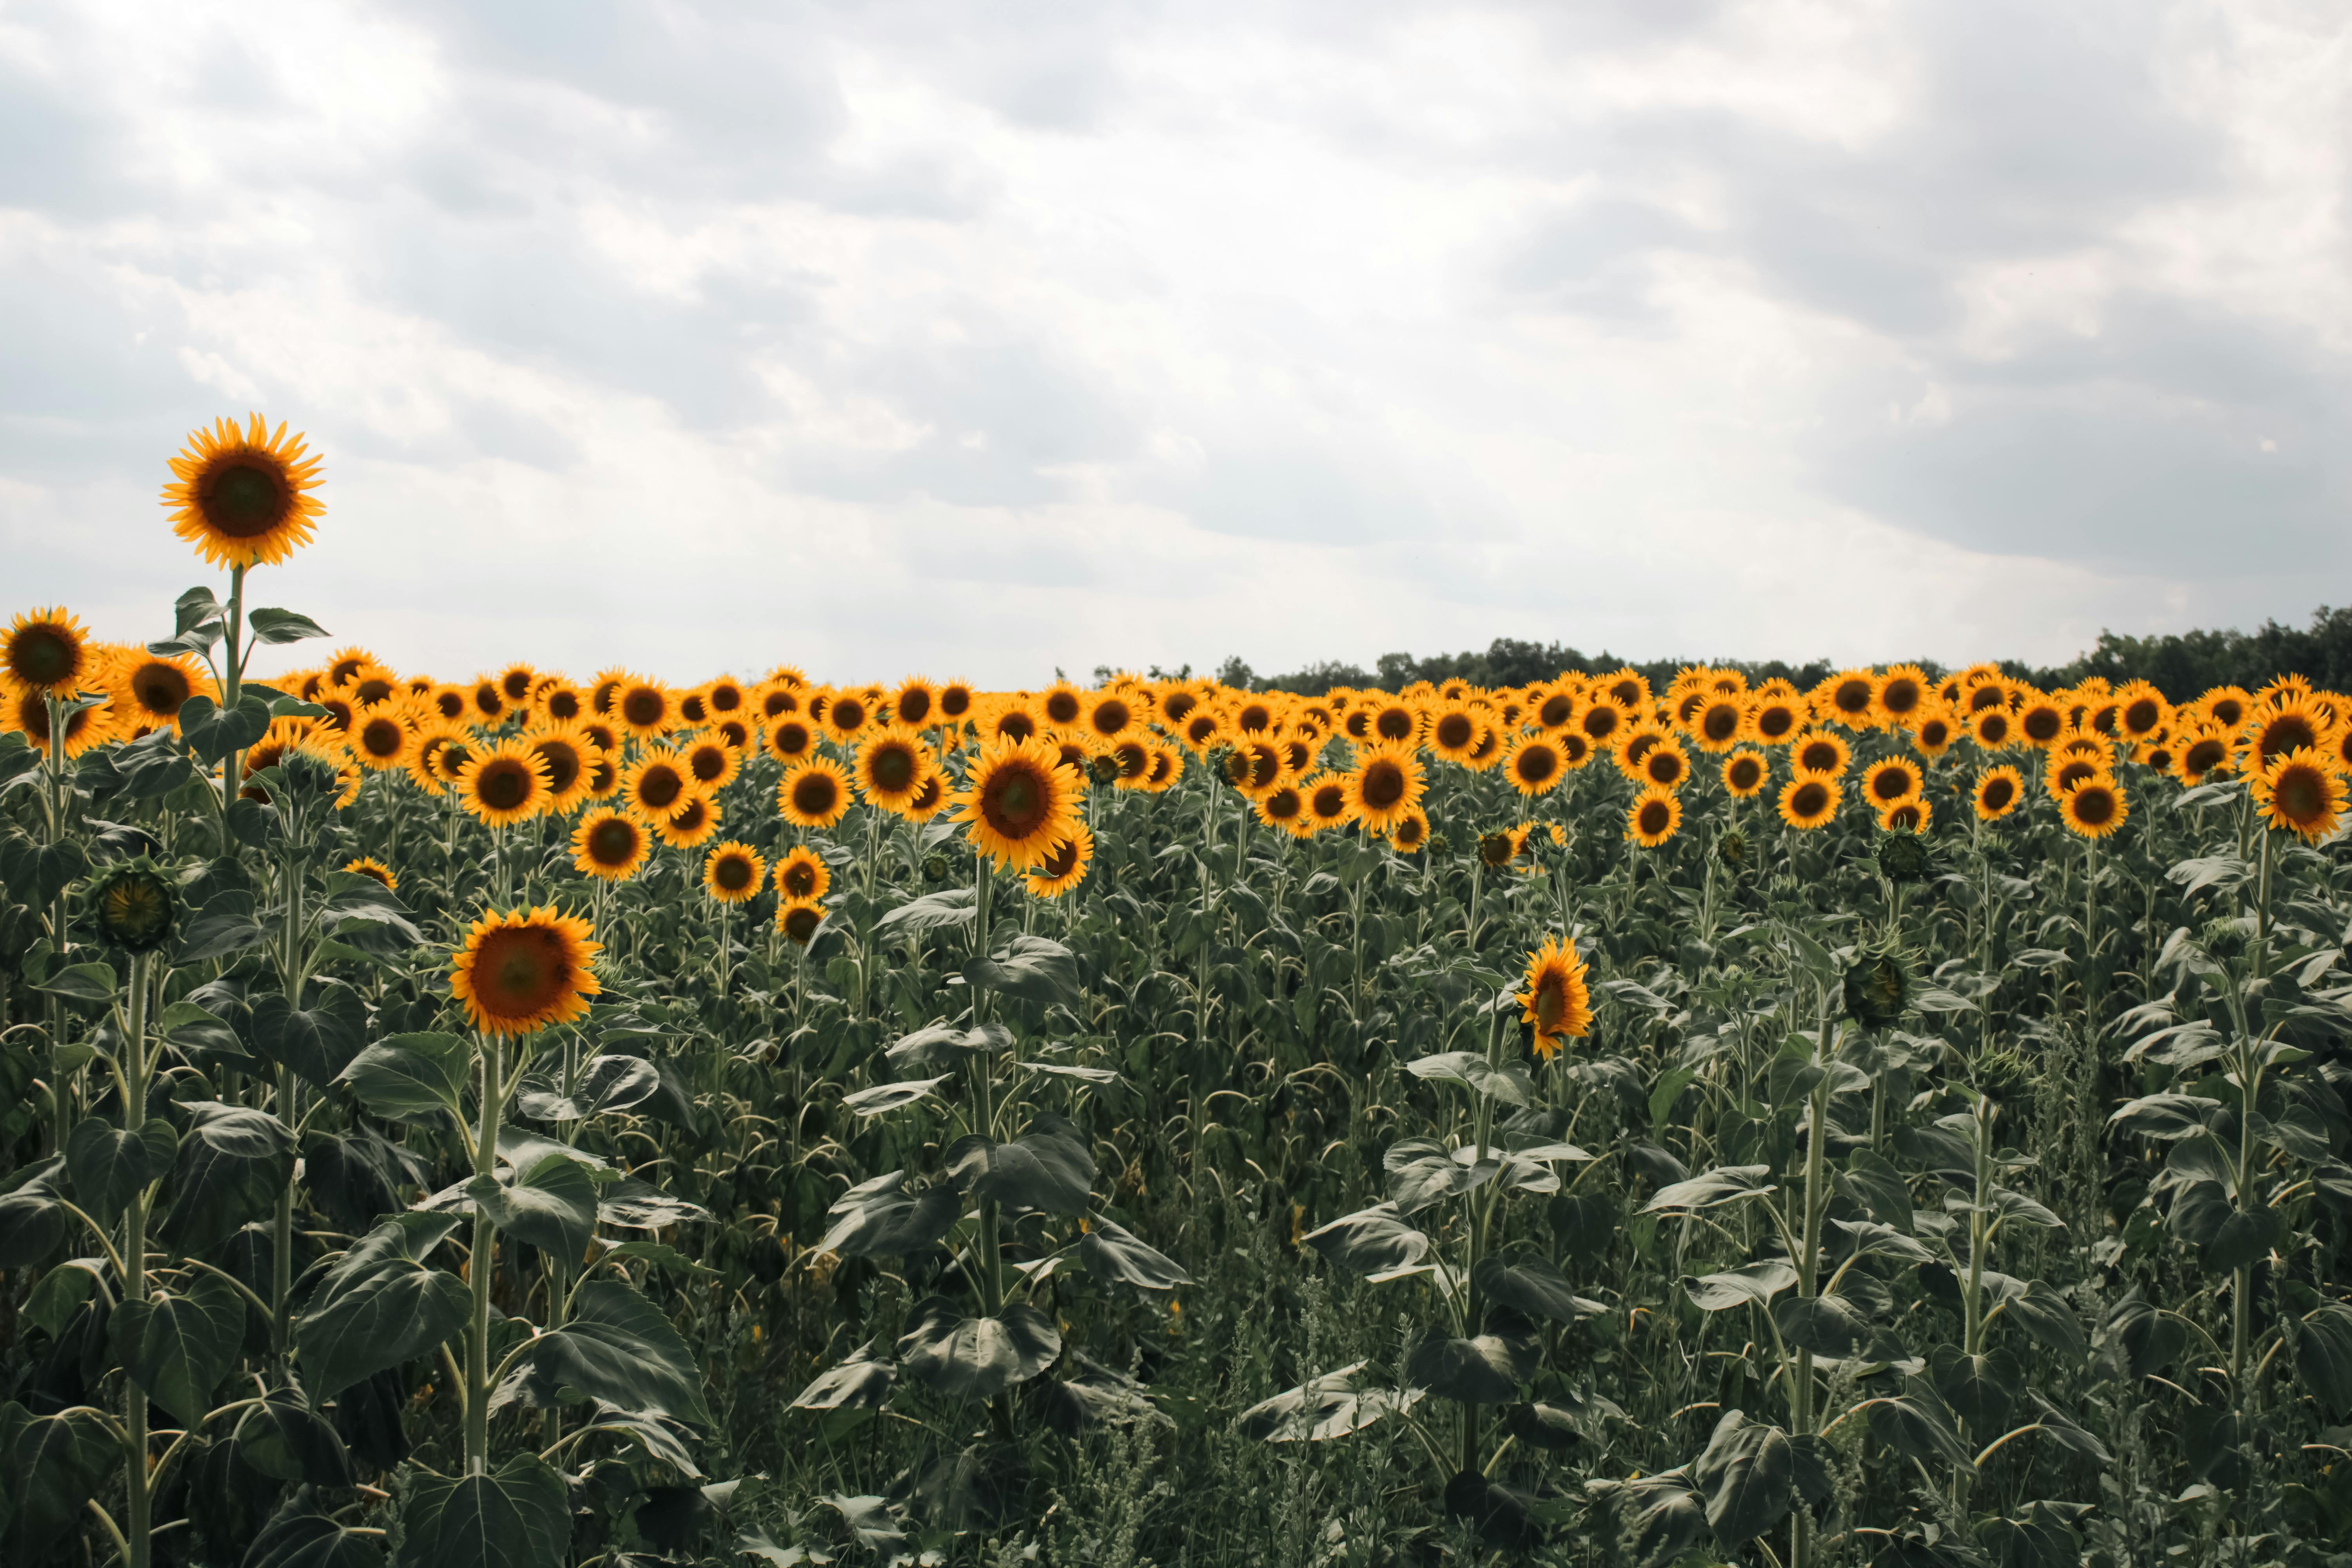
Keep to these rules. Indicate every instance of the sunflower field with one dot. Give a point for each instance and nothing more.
(524, 1121)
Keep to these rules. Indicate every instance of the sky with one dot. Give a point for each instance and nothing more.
(983, 339)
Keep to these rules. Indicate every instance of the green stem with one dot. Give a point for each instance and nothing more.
(478, 1267)
(138, 1502)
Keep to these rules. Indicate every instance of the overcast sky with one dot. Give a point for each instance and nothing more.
(980, 339)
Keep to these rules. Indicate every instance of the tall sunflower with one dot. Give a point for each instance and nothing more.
(1655, 816)
(244, 498)
(814, 793)
(1902, 691)
(1328, 803)
(1019, 801)
(522, 970)
(1809, 800)
(504, 784)
(1850, 698)
(380, 739)
(2294, 724)
(803, 875)
(656, 784)
(1934, 729)
(1535, 765)
(1774, 716)
(1891, 782)
(375, 870)
(2094, 807)
(1998, 793)
(152, 686)
(610, 845)
(26, 709)
(2300, 792)
(891, 765)
(1385, 783)
(438, 753)
(733, 872)
(1557, 1001)
(846, 714)
(932, 796)
(2041, 722)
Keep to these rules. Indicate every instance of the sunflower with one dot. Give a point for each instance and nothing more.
(571, 758)
(2295, 725)
(1393, 720)
(1627, 686)
(2141, 711)
(691, 826)
(957, 701)
(28, 712)
(645, 709)
(2068, 769)
(1774, 716)
(1552, 707)
(932, 796)
(1174, 701)
(1820, 754)
(505, 784)
(379, 740)
(438, 753)
(1655, 816)
(814, 793)
(524, 970)
(1328, 803)
(1411, 834)
(1632, 743)
(1254, 767)
(1286, 808)
(1998, 792)
(1718, 721)
(1061, 706)
(452, 704)
(803, 875)
(1454, 731)
(376, 870)
(1906, 816)
(711, 763)
(1557, 1001)
(2095, 807)
(1385, 783)
(346, 663)
(1064, 866)
(610, 845)
(1934, 729)
(49, 651)
(2302, 793)
(2227, 706)
(891, 766)
(1745, 775)
(1133, 759)
(1019, 801)
(2041, 722)
(1535, 765)
(1167, 769)
(1809, 800)
(1849, 697)
(1008, 719)
(1602, 720)
(486, 704)
(1893, 782)
(151, 686)
(799, 922)
(1664, 766)
(733, 873)
(790, 740)
(1902, 692)
(1992, 729)
(243, 498)
(1111, 716)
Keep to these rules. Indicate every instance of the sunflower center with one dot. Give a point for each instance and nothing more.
(1775, 721)
(2300, 794)
(1383, 785)
(1330, 801)
(1743, 774)
(1998, 792)
(1060, 861)
(1820, 759)
(1014, 804)
(612, 842)
(40, 657)
(660, 788)
(1809, 800)
(1538, 763)
(243, 499)
(800, 882)
(562, 764)
(709, 762)
(2093, 807)
(503, 786)
(1551, 1003)
(2287, 734)
(893, 769)
(2204, 756)
(1665, 767)
(733, 873)
(1395, 724)
(642, 707)
(1655, 815)
(520, 973)
(1891, 784)
(1721, 723)
(1454, 731)
(1111, 718)
(1900, 696)
(1852, 697)
(382, 737)
(161, 690)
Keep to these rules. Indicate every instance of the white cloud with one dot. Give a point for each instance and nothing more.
(918, 336)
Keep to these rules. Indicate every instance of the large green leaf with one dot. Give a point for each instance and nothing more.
(2225, 1235)
(412, 1078)
(880, 1219)
(1752, 1284)
(179, 1345)
(516, 1516)
(33, 1223)
(381, 1306)
(1508, 1083)
(234, 1162)
(977, 1358)
(2323, 1356)
(1331, 1405)
(1825, 1325)
(1033, 968)
(1747, 1474)
(54, 1465)
(1486, 1369)
(318, 1041)
(1728, 1185)
(550, 1204)
(618, 1347)
(225, 927)
(1422, 1171)
(285, 1439)
(273, 625)
(605, 1083)
(312, 1541)
(1530, 1286)
(1982, 1389)
(1115, 1253)
(2040, 1535)
(1374, 1242)
(862, 1382)
(1918, 1425)
(92, 985)
(1049, 1169)
(110, 1167)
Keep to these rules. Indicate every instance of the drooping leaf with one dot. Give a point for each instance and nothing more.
(356, 1177)
(880, 1219)
(1825, 1325)
(2040, 1535)
(1032, 968)
(312, 1540)
(412, 1078)
(1755, 1283)
(178, 1344)
(1747, 1474)
(516, 1516)
(1529, 1285)
(91, 984)
(887, 1097)
(606, 1083)
(1982, 1389)
(110, 1167)
(275, 625)
(54, 1465)
(1728, 1185)
(1081, 1393)
(1331, 1405)
(1510, 1083)
(634, 1204)
(381, 1306)
(1113, 1252)
(943, 1043)
(550, 1204)
(1486, 1369)
(2323, 1356)
(1422, 1171)
(932, 911)
(233, 1163)
(1918, 1425)
(318, 1041)
(618, 1347)
(977, 1358)
(33, 1223)
(862, 1380)
(1374, 1242)
(1049, 1169)
(285, 1439)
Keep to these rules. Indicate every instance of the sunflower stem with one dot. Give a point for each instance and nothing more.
(477, 1266)
(138, 1498)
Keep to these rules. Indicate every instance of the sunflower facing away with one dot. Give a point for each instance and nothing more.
(1557, 1001)
(814, 793)
(802, 876)
(610, 845)
(524, 970)
(1020, 801)
(2300, 792)
(733, 872)
(243, 498)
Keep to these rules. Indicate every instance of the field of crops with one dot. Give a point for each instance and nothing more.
(529, 1120)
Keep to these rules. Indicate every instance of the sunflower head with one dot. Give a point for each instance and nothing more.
(610, 846)
(49, 651)
(1998, 793)
(733, 872)
(2095, 807)
(1732, 850)
(799, 920)
(1065, 865)
(1557, 1001)
(1655, 816)
(374, 870)
(1902, 858)
(1384, 785)
(802, 876)
(1019, 801)
(506, 784)
(520, 972)
(814, 793)
(2301, 793)
(136, 905)
(1745, 775)
(1809, 800)
(243, 498)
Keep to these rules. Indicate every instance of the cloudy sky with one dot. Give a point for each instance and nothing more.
(980, 339)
